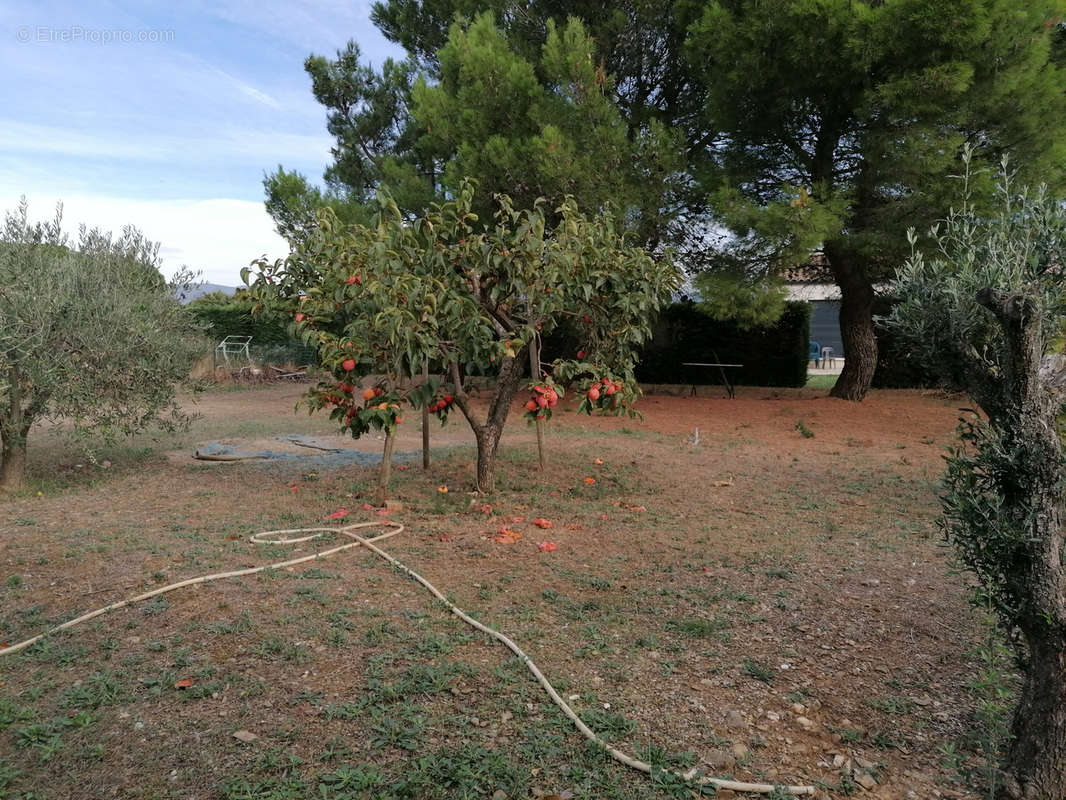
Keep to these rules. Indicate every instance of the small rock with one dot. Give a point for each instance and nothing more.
(740, 751)
(865, 780)
(499, 794)
(862, 763)
(799, 708)
(804, 723)
(719, 759)
(838, 761)
(245, 736)
(773, 716)
(735, 720)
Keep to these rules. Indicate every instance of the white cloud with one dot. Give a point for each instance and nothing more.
(225, 142)
(306, 23)
(247, 89)
(216, 237)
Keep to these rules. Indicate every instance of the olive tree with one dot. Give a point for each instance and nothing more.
(469, 298)
(987, 302)
(90, 333)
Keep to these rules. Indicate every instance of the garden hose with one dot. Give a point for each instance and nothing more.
(307, 534)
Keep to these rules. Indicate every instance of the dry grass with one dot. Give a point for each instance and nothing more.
(767, 570)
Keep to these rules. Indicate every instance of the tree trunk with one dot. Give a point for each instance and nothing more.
(14, 430)
(1038, 751)
(385, 474)
(13, 466)
(488, 439)
(488, 434)
(425, 421)
(1037, 759)
(534, 375)
(856, 325)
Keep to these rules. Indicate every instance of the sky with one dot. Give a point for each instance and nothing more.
(166, 115)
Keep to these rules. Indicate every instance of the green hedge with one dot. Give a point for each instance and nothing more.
(236, 319)
(270, 338)
(774, 355)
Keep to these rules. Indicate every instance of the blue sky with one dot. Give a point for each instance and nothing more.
(165, 115)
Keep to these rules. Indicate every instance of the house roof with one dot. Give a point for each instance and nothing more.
(816, 270)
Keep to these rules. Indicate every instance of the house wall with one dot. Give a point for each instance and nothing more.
(824, 299)
(825, 325)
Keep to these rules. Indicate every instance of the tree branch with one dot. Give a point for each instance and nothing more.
(1009, 307)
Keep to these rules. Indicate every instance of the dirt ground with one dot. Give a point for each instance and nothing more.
(755, 585)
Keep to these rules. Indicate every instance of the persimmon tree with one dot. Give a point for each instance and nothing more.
(90, 332)
(469, 298)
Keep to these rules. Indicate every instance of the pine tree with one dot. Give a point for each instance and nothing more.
(867, 106)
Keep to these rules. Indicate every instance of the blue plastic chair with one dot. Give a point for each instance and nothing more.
(814, 352)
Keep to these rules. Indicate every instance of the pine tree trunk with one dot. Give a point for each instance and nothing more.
(856, 325)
